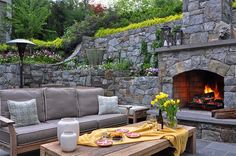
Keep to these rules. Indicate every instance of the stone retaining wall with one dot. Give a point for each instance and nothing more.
(127, 44)
(130, 90)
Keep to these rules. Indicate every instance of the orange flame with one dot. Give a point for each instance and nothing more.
(208, 89)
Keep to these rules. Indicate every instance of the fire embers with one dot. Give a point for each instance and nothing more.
(209, 100)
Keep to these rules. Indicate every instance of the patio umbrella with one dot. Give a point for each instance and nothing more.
(21, 44)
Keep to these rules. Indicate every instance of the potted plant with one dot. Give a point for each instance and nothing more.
(95, 56)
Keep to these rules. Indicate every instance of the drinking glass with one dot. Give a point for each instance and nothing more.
(105, 135)
(151, 120)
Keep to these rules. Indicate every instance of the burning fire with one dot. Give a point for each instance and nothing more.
(208, 89)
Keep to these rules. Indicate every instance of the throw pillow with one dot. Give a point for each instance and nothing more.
(24, 113)
(108, 105)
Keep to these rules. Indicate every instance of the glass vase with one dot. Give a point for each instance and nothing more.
(172, 122)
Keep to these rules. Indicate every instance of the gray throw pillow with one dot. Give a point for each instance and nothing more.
(24, 113)
(108, 105)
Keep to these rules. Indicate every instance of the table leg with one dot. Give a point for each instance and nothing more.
(42, 152)
(191, 144)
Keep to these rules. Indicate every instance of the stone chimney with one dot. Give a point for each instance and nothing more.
(206, 20)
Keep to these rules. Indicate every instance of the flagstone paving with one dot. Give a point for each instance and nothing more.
(204, 148)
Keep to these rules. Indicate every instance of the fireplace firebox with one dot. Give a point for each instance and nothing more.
(199, 89)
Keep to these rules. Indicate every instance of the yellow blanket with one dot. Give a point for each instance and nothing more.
(178, 137)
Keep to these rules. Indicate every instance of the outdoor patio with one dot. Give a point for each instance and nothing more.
(74, 71)
(204, 148)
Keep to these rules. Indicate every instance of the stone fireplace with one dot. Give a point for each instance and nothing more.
(205, 66)
(184, 71)
(199, 89)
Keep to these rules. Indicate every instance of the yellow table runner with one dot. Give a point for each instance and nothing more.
(178, 137)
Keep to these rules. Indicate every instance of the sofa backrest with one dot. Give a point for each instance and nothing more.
(60, 103)
(88, 100)
(55, 103)
(22, 95)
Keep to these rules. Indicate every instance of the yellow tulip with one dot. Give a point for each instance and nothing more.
(153, 102)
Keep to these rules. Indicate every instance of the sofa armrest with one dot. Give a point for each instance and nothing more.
(6, 120)
(13, 140)
(127, 107)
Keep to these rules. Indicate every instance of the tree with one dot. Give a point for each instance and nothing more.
(64, 13)
(28, 18)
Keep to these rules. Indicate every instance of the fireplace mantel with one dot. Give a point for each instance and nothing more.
(218, 43)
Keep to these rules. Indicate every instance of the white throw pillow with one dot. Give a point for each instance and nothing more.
(108, 105)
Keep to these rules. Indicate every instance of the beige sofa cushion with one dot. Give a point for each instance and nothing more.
(107, 120)
(30, 134)
(88, 100)
(60, 103)
(22, 95)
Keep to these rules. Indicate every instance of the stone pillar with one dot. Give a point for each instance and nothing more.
(206, 20)
(4, 34)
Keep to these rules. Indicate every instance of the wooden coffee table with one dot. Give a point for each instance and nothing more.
(134, 149)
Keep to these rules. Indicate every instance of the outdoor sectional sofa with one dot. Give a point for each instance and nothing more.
(52, 105)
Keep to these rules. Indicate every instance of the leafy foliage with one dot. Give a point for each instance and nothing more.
(29, 17)
(119, 65)
(147, 58)
(88, 27)
(3, 48)
(63, 14)
(133, 11)
(55, 44)
(38, 57)
(104, 32)
(234, 4)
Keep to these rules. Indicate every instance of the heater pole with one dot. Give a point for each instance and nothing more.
(21, 50)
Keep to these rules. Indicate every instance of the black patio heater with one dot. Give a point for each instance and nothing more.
(21, 45)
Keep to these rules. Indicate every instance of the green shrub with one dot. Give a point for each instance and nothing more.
(234, 5)
(122, 65)
(3, 48)
(104, 32)
(55, 44)
(9, 59)
(6, 48)
(39, 60)
(28, 59)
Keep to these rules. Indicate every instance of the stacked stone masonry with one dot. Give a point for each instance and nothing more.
(219, 60)
(204, 20)
(130, 90)
(127, 44)
(213, 132)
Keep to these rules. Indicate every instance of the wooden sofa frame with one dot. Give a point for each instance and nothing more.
(14, 149)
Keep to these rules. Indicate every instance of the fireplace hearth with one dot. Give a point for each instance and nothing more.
(199, 89)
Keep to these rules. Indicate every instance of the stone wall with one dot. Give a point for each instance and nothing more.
(4, 35)
(128, 43)
(9, 76)
(213, 132)
(205, 20)
(216, 59)
(130, 90)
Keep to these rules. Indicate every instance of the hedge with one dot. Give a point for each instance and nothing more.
(104, 32)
